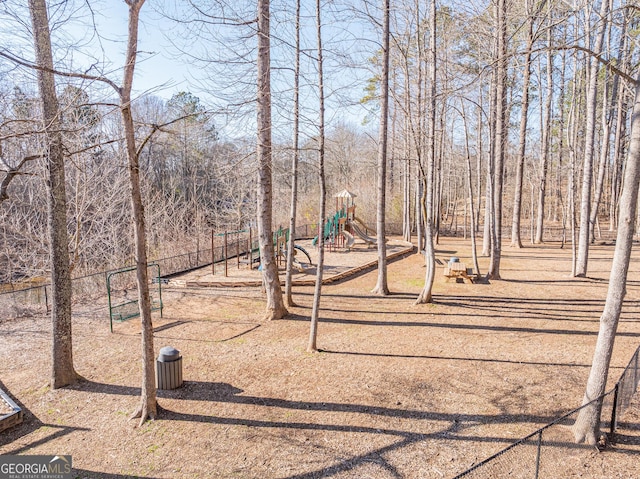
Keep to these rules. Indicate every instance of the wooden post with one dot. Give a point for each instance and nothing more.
(238, 248)
(226, 266)
(250, 249)
(213, 255)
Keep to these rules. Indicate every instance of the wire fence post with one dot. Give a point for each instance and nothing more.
(46, 300)
(538, 454)
(213, 255)
(636, 376)
(226, 270)
(614, 411)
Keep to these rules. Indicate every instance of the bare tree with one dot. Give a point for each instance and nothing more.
(148, 403)
(587, 425)
(275, 302)
(425, 295)
(294, 163)
(472, 213)
(500, 141)
(315, 311)
(590, 131)
(382, 287)
(62, 370)
(516, 240)
(546, 139)
(621, 121)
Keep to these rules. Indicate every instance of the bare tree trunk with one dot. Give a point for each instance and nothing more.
(62, 371)
(419, 221)
(474, 249)
(406, 198)
(561, 140)
(587, 426)
(604, 158)
(572, 140)
(489, 187)
(148, 404)
(546, 141)
(437, 165)
(382, 287)
(479, 148)
(618, 95)
(408, 126)
(275, 302)
(590, 129)
(428, 196)
(516, 241)
(406, 186)
(500, 140)
(294, 163)
(315, 311)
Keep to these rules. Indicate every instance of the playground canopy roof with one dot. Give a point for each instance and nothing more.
(345, 194)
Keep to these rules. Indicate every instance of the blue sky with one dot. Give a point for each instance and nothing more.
(94, 33)
(163, 70)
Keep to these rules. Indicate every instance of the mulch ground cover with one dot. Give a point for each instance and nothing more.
(398, 390)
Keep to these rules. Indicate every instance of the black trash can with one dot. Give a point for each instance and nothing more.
(169, 368)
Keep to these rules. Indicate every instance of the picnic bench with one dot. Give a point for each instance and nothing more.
(458, 270)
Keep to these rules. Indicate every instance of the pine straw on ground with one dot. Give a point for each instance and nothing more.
(399, 390)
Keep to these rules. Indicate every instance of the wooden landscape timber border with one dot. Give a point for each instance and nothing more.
(13, 418)
(300, 282)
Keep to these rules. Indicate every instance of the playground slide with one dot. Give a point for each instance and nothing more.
(302, 267)
(357, 230)
(364, 225)
(304, 252)
(349, 239)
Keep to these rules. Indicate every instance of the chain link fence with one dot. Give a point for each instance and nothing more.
(18, 300)
(626, 388)
(551, 451)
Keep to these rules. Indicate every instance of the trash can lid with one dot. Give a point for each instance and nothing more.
(168, 354)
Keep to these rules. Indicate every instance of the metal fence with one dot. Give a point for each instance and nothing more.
(625, 389)
(551, 451)
(184, 262)
(90, 289)
(20, 301)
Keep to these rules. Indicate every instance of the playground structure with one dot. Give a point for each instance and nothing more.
(242, 248)
(340, 229)
(281, 240)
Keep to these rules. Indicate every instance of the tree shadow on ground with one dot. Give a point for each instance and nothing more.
(463, 326)
(391, 295)
(30, 423)
(465, 359)
(453, 427)
(227, 393)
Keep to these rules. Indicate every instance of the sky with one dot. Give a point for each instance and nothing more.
(90, 36)
(164, 70)
(158, 70)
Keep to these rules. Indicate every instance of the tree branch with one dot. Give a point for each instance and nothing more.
(83, 76)
(11, 174)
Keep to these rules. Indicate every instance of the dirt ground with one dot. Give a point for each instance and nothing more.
(399, 390)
